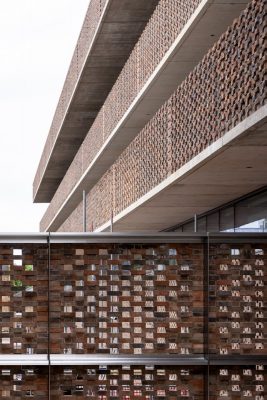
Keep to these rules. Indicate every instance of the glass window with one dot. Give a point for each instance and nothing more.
(213, 222)
(227, 219)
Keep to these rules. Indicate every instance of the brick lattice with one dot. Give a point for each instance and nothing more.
(228, 85)
(127, 299)
(146, 55)
(23, 299)
(128, 382)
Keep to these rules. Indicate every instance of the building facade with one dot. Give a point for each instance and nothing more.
(145, 316)
(176, 130)
(161, 126)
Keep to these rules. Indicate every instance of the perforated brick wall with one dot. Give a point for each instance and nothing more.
(23, 297)
(226, 87)
(148, 52)
(127, 299)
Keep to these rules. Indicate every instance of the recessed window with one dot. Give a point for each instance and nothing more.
(6, 278)
(67, 371)
(67, 392)
(17, 314)
(67, 309)
(17, 346)
(5, 299)
(67, 288)
(17, 377)
(5, 309)
(17, 263)
(235, 252)
(6, 393)
(29, 372)
(17, 252)
(79, 252)
(5, 329)
(259, 252)
(79, 314)
(5, 372)
(17, 294)
(28, 267)
(5, 340)
(29, 309)
(5, 268)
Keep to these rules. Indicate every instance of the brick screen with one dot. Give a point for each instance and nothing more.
(23, 297)
(184, 299)
(25, 382)
(148, 52)
(227, 86)
(147, 299)
(128, 382)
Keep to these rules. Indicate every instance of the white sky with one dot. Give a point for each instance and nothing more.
(37, 39)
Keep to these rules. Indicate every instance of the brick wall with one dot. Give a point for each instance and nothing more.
(148, 52)
(138, 299)
(226, 87)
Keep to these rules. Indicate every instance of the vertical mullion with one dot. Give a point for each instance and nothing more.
(206, 312)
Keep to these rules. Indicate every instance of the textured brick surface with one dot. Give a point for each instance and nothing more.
(127, 382)
(23, 299)
(226, 87)
(148, 52)
(127, 299)
(238, 289)
(236, 382)
(24, 382)
(135, 299)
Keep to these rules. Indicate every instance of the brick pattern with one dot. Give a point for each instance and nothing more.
(133, 298)
(228, 85)
(247, 382)
(127, 382)
(24, 382)
(146, 55)
(238, 289)
(90, 23)
(23, 299)
(127, 299)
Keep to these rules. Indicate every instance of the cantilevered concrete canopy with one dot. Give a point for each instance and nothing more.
(206, 25)
(233, 166)
(118, 29)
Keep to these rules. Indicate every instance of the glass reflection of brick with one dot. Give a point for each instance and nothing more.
(238, 291)
(127, 299)
(238, 382)
(127, 382)
(23, 383)
(23, 298)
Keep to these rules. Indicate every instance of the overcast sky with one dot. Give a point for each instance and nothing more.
(37, 39)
